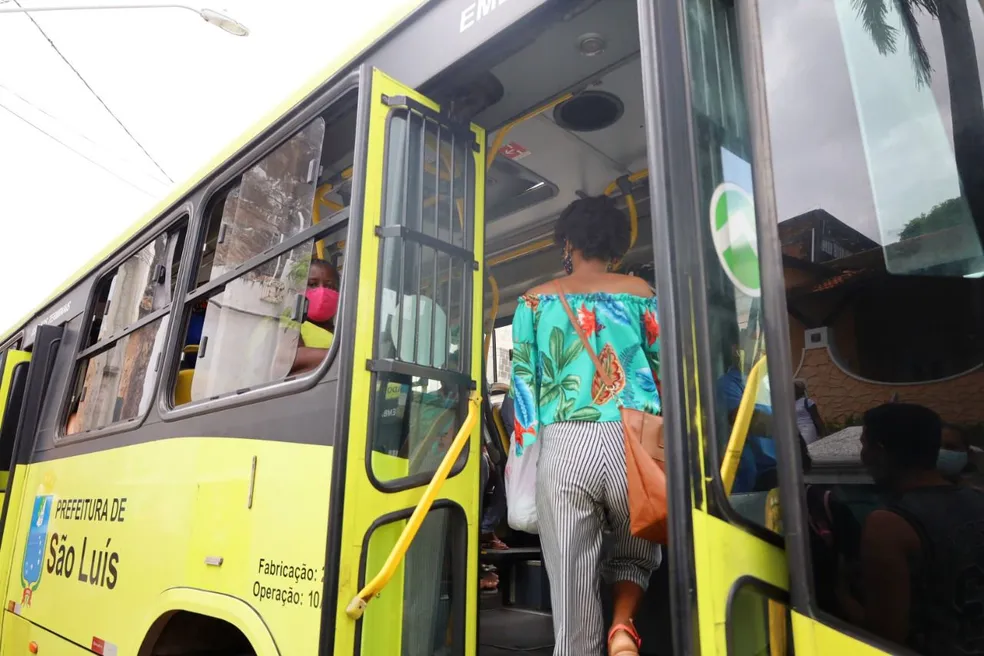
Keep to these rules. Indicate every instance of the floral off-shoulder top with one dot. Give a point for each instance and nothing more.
(553, 376)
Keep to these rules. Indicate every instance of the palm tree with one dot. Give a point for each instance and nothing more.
(962, 73)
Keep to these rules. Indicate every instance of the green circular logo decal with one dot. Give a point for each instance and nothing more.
(733, 230)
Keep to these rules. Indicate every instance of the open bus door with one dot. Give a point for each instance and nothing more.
(13, 385)
(408, 568)
(13, 382)
(729, 577)
(22, 556)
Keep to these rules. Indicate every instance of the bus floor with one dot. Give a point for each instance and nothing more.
(508, 631)
(511, 631)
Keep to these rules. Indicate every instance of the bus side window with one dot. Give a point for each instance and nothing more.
(260, 309)
(879, 199)
(115, 374)
(425, 295)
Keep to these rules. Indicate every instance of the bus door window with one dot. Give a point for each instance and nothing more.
(425, 297)
(877, 141)
(124, 338)
(250, 319)
(13, 367)
(731, 273)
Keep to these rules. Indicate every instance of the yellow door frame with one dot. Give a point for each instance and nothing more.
(366, 505)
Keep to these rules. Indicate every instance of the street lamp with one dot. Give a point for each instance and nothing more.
(230, 25)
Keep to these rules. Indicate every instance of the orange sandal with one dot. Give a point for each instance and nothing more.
(623, 649)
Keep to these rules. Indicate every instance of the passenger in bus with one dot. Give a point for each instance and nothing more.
(492, 511)
(508, 412)
(955, 462)
(921, 555)
(808, 420)
(74, 423)
(581, 487)
(493, 507)
(318, 329)
(757, 466)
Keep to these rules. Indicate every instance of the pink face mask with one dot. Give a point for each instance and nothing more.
(322, 304)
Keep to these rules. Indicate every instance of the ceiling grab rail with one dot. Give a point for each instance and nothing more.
(503, 132)
(357, 606)
(624, 184)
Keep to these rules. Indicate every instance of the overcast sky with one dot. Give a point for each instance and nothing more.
(852, 132)
(182, 87)
(185, 89)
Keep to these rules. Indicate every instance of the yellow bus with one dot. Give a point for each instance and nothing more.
(191, 467)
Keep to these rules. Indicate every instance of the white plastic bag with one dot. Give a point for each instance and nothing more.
(520, 478)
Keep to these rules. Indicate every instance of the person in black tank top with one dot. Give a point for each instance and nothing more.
(922, 556)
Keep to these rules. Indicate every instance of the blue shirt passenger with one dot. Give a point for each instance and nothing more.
(759, 455)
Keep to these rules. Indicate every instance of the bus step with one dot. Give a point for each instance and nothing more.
(489, 600)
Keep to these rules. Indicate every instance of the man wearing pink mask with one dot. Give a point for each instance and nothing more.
(318, 329)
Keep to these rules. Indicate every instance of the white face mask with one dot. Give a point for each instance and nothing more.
(951, 463)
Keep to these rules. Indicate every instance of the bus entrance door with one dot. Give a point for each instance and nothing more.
(12, 385)
(408, 562)
(23, 387)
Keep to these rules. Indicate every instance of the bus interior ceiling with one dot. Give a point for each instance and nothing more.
(577, 147)
(545, 161)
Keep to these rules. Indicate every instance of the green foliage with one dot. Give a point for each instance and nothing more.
(948, 214)
(298, 275)
(873, 15)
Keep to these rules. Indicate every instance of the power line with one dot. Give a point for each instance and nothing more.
(93, 91)
(80, 154)
(58, 120)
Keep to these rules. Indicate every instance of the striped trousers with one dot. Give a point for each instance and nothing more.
(581, 492)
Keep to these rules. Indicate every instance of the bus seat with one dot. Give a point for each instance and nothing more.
(195, 325)
(182, 388)
(189, 356)
(500, 428)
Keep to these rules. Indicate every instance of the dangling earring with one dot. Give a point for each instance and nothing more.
(567, 260)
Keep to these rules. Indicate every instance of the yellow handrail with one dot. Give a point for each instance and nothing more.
(547, 242)
(504, 130)
(500, 428)
(357, 606)
(500, 425)
(743, 420)
(630, 202)
(525, 249)
(633, 177)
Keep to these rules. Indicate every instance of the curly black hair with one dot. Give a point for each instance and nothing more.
(595, 227)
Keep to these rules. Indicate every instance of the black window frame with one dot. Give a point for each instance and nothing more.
(460, 535)
(177, 219)
(768, 593)
(344, 91)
